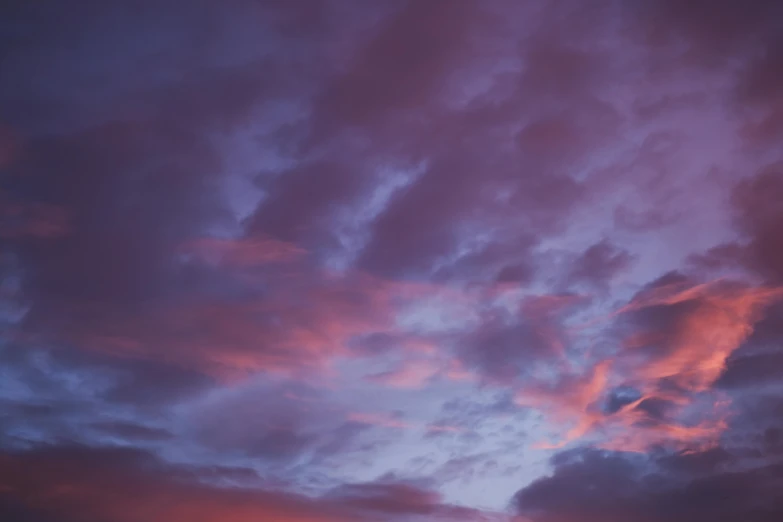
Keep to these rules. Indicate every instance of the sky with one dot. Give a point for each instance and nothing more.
(391, 261)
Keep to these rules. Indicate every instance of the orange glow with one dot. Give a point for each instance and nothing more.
(709, 335)
(694, 358)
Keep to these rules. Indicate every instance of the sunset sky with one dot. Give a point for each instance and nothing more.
(391, 261)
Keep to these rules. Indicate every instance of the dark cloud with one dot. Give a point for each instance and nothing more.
(593, 485)
(752, 370)
(599, 264)
(759, 362)
(406, 64)
(720, 35)
(404, 107)
(302, 202)
(508, 346)
(125, 145)
(760, 214)
(716, 30)
(77, 483)
(100, 484)
(724, 257)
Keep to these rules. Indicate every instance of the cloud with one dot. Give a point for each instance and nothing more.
(681, 336)
(705, 324)
(599, 264)
(591, 485)
(507, 346)
(760, 212)
(300, 425)
(347, 260)
(80, 483)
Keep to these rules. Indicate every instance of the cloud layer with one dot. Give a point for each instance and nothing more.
(393, 261)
